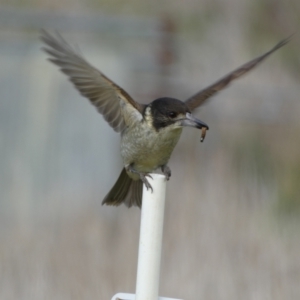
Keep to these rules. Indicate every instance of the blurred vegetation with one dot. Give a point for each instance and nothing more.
(289, 192)
(58, 243)
(255, 157)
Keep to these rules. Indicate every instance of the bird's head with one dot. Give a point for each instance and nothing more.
(170, 112)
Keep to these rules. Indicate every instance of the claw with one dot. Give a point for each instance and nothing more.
(143, 176)
(145, 181)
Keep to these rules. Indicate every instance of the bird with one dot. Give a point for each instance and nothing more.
(149, 132)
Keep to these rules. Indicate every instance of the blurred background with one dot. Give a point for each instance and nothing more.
(232, 227)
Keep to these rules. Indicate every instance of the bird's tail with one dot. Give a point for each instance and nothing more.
(125, 190)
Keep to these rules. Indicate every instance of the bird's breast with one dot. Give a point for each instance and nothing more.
(147, 149)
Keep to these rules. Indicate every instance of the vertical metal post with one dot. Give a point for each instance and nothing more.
(152, 218)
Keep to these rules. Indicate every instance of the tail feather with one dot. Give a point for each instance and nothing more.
(125, 190)
(134, 195)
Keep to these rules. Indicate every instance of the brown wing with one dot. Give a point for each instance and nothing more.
(199, 98)
(103, 93)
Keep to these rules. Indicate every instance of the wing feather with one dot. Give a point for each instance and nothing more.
(103, 93)
(202, 96)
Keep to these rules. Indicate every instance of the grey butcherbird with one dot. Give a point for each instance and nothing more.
(149, 132)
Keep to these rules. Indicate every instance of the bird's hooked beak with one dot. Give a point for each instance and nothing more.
(191, 121)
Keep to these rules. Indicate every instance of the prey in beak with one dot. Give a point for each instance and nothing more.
(191, 121)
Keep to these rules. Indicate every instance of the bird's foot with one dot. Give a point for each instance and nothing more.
(167, 171)
(142, 176)
(145, 181)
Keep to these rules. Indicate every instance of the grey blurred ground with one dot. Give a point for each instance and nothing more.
(232, 216)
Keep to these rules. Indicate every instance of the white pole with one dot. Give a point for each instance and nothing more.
(152, 218)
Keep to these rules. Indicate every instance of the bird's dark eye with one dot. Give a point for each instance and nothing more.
(172, 114)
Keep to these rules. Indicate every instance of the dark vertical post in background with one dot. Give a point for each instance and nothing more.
(166, 55)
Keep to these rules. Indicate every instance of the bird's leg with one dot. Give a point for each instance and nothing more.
(142, 176)
(167, 171)
(145, 181)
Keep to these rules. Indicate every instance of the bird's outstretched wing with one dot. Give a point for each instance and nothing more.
(199, 98)
(103, 93)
